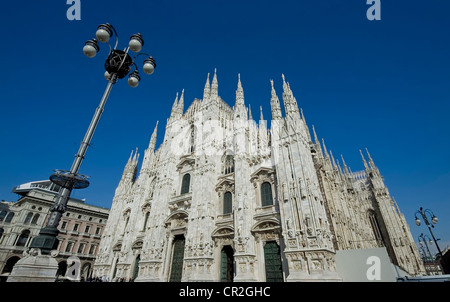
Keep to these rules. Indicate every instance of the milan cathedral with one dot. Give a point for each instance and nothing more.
(227, 198)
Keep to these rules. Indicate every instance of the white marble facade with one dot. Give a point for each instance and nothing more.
(223, 192)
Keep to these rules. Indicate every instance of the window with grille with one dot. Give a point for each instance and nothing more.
(185, 184)
(227, 203)
(266, 194)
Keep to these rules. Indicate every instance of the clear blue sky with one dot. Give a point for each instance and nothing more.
(384, 85)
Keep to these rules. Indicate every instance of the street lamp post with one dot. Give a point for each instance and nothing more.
(434, 220)
(428, 258)
(118, 65)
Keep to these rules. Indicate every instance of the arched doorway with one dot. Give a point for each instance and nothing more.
(7, 269)
(176, 270)
(227, 264)
(272, 259)
(10, 264)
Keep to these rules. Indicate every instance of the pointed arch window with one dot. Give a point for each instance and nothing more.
(266, 194)
(185, 184)
(227, 203)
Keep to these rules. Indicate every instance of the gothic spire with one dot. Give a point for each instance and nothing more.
(180, 107)
(131, 158)
(239, 92)
(214, 86)
(332, 160)
(345, 166)
(339, 167)
(152, 143)
(372, 165)
(174, 107)
(207, 90)
(286, 98)
(364, 160)
(325, 149)
(316, 140)
(130, 170)
(285, 87)
(175, 103)
(290, 103)
(136, 157)
(262, 121)
(275, 104)
(239, 108)
(250, 117)
(262, 133)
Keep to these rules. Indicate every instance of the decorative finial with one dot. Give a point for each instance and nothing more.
(364, 160)
(316, 140)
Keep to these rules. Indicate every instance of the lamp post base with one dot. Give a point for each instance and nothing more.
(34, 267)
(46, 241)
